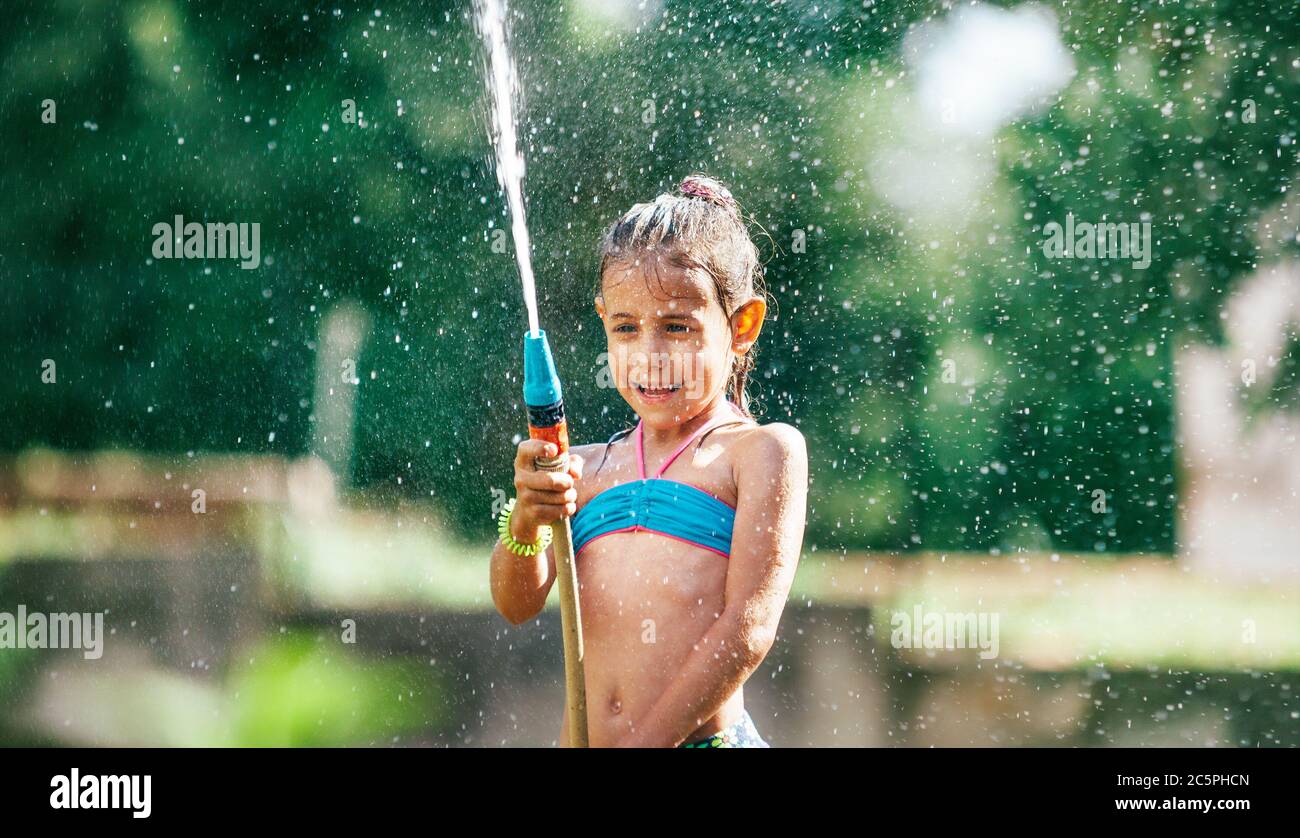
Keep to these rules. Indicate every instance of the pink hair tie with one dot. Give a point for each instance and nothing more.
(709, 189)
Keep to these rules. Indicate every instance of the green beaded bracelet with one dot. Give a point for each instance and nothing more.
(544, 534)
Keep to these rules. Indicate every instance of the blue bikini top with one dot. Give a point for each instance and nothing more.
(667, 507)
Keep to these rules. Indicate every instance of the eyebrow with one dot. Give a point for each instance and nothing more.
(625, 315)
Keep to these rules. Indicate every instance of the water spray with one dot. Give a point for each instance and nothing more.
(542, 394)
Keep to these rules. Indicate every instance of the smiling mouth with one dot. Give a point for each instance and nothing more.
(655, 393)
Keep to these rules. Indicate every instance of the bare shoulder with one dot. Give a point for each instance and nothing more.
(590, 449)
(593, 455)
(774, 445)
(586, 451)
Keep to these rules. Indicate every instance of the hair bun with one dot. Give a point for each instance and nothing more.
(708, 189)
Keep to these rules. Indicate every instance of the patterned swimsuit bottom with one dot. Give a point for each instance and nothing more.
(742, 734)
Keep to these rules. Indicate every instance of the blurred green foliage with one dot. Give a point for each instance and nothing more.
(296, 691)
(231, 112)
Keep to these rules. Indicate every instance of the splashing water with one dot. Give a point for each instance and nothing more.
(502, 84)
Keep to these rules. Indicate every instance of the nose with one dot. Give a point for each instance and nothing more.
(661, 366)
(639, 360)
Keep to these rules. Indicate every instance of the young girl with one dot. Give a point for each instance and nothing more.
(687, 530)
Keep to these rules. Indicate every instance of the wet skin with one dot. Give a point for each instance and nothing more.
(646, 598)
(665, 657)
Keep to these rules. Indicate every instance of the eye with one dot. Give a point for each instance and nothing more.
(678, 327)
(626, 328)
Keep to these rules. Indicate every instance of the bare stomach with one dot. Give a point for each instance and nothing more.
(646, 602)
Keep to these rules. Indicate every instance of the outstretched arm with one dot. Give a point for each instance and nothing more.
(772, 483)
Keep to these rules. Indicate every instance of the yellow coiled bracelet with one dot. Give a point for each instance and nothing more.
(544, 534)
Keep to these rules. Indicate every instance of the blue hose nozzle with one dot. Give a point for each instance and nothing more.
(541, 383)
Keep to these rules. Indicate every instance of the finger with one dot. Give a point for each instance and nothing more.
(534, 497)
(543, 481)
(575, 466)
(532, 449)
(550, 513)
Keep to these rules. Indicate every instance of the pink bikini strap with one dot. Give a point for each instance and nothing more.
(640, 445)
(640, 450)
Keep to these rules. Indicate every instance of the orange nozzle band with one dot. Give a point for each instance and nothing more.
(557, 434)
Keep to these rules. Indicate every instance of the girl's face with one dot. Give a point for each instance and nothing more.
(671, 346)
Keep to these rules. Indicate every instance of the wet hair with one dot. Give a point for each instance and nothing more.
(701, 227)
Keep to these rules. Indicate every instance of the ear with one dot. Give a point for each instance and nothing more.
(746, 324)
(600, 307)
